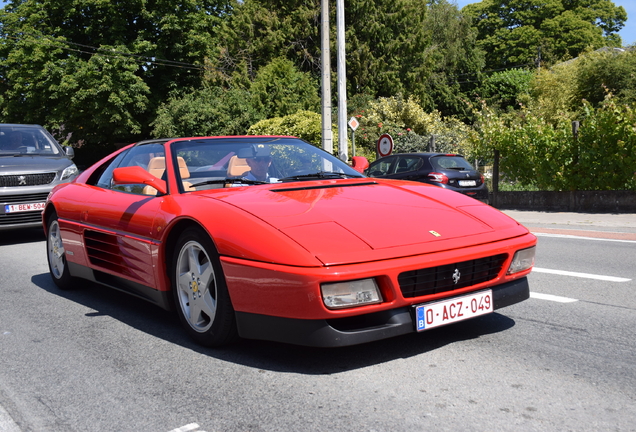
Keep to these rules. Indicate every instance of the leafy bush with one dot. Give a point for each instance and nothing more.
(410, 127)
(547, 156)
(207, 111)
(506, 89)
(306, 125)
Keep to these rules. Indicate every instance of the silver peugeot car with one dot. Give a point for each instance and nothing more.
(31, 164)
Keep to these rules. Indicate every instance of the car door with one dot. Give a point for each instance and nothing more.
(406, 167)
(120, 221)
(381, 167)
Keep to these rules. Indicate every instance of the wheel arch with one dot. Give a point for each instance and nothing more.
(175, 231)
(46, 214)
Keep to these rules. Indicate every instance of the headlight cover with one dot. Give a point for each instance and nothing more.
(523, 260)
(349, 294)
(69, 172)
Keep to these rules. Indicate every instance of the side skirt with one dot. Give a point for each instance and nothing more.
(163, 299)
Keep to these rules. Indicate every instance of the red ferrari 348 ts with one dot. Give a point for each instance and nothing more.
(272, 238)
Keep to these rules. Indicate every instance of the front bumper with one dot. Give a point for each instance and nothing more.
(339, 332)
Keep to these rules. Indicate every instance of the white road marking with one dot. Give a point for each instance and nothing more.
(581, 275)
(553, 298)
(6, 422)
(186, 428)
(579, 237)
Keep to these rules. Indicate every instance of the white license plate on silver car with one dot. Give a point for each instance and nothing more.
(467, 183)
(15, 208)
(430, 315)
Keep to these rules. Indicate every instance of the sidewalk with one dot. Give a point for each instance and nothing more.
(576, 221)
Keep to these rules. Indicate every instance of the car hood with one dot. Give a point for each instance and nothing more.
(370, 219)
(32, 164)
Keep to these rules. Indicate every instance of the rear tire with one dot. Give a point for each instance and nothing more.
(58, 267)
(200, 292)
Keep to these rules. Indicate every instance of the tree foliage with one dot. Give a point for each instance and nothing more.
(561, 90)
(206, 112)
(279, 89)
(519, 32)
(99, 67)
(549, 157)
(506, 89)
(411, 127)
(306, 125)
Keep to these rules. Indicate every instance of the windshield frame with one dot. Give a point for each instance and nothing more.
(290, 159)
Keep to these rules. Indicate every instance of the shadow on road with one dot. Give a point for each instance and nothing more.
(21, 235)
(271, 356)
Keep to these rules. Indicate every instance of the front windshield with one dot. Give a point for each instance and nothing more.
(27, 140)
(231, 161)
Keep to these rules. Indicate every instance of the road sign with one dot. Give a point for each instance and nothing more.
(353, 123)
(385, 145)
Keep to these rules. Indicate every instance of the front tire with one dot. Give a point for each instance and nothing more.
(200, 292)
(58, 267)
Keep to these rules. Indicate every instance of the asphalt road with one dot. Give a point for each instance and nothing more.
(98, 360)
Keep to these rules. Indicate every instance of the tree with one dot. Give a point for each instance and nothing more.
(206, 111)
(305, 125)
(100, 68)
(506, 89)
(420, 47)
(604, 72)
(520, 32)
(279, 89)
(562, 89)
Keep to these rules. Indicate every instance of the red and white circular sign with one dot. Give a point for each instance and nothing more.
(385, 145)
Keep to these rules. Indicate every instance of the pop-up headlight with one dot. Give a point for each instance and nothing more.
(348, 294)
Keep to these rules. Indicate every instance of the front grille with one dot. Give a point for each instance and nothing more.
(23, 198)
(26, 179)
(434, 280)
(21, 217)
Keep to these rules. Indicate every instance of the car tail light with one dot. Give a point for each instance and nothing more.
(438, 177)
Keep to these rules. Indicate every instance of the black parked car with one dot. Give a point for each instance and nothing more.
(31, 164)
(450, 171)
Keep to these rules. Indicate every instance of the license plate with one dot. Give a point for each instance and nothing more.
(466, 183)
(15, 208)
(444, 312)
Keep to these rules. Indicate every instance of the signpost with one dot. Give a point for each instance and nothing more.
(385, 145)
(353, 124)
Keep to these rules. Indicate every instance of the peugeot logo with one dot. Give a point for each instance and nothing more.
(456, 276)
(22, 180)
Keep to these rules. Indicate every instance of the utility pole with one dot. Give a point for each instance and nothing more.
(343, 150)
(325, 64)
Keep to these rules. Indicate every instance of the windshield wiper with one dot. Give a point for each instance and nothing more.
(232, 180)
(319, 175)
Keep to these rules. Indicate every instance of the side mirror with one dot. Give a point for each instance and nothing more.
(138, 175)
(359, 163)
(69, 152)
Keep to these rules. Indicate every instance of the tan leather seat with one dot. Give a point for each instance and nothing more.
(237, 167)
(157, 167)
(184, 172)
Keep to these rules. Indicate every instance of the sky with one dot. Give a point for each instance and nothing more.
(628, 33)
